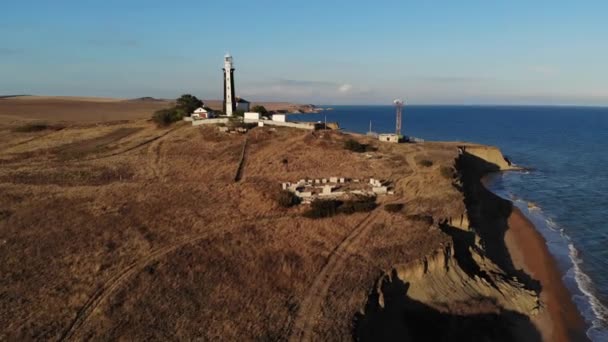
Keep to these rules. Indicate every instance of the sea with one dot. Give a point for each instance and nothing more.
(564, 191)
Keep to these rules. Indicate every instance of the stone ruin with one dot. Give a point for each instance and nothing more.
(336, 187)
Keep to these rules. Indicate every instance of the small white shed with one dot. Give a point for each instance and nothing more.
(202, 113)
(252, 116)
(394, 138)
(279, 117)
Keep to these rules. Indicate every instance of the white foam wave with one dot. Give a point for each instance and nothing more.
(553, 226)
(598, 315)
(585, 284)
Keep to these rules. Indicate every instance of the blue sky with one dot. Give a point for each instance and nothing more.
(330, 52)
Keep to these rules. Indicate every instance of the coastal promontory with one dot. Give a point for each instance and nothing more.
(123, 230)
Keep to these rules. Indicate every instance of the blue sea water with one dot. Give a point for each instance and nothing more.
(565, 193)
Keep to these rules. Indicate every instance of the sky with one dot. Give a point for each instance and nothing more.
(321, 52)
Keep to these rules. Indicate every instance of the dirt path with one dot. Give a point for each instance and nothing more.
(140, 145)
(30, 140)
(104, 291)
(28, 162)
(410, 157)
(310, 307)
(241, 168)
(412, 181)
(155, 163)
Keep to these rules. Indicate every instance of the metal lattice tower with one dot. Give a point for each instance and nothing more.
(399, 109)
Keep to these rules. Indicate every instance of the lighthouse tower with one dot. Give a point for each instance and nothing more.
(229, 98)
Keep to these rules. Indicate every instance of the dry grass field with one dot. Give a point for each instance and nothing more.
(96, 109)
(122, 230)
(77, 109)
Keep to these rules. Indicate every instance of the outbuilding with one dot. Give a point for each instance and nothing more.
(393, 138)
(279, 117)
(202, 113)
(242, 104)
(252, 116)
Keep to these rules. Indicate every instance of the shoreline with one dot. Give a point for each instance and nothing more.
(559, 318)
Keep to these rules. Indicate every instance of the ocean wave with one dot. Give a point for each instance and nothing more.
(585, 284)
(553, 226)
(593, 309)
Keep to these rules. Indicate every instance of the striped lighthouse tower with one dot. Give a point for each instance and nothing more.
(229, 99)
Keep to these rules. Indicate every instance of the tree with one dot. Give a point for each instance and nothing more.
(188, 103)
(287, 199)
(355, 146)
(165, 117)
(259, 109)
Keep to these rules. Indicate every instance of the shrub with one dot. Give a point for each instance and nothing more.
(425, 163)
(421, 218)
(328, 208)
(259, 109)
(287, 199)
(188, 103)
(111, 246)
(447, 172)
(5, 214)
(165, 117)
(355, 146)
(394, 207)
(32, 127)
(323, 208)
(362, 204)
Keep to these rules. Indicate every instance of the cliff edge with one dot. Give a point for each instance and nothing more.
(468, 290)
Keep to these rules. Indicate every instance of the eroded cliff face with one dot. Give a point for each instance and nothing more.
(467, 290)
(451, 276)
(489, 154)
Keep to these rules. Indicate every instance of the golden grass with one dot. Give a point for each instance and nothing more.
(133, 232)
(77, 109)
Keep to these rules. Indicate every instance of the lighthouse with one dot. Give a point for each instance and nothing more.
(229, 98)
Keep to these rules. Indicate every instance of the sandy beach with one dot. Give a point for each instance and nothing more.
(559, 319)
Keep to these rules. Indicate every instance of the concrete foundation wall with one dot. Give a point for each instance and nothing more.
(209, 121)
(310, 126)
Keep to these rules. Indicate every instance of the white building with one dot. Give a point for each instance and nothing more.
(252, 116)
(202, 113)
(279, 117)
(393, 138)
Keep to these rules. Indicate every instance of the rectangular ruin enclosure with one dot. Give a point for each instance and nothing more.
(335, 187)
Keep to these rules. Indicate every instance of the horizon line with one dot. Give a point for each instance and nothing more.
(339, 104)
